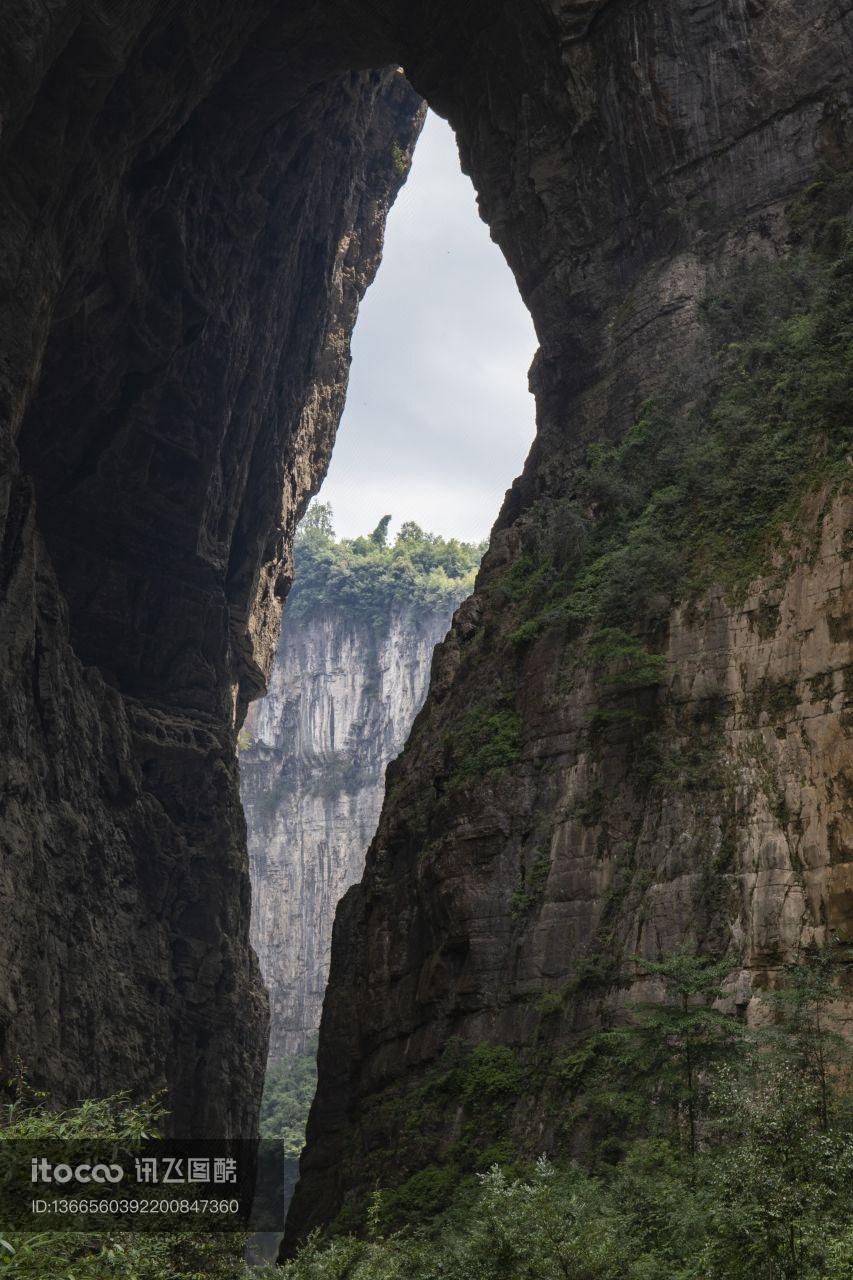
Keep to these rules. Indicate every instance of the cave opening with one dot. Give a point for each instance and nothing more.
(437, 421)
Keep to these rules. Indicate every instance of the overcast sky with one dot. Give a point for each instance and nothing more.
(438, 419)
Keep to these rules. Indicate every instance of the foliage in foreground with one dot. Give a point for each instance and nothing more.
(69, 1255)
(731, 1158)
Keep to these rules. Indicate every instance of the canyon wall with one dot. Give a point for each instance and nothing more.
(342, 696)
(602, 773)
(192, 201)
(188, 223)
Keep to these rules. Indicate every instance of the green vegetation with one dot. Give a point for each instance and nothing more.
(484, 741)
(623, 662)
(288, 1093)
(481, 1088)
(401, 160)
(532, 886)
(668, 1052)
(489, 1072)
(692, 498)
(72, 1255)
(424, 1195)
(714, 1154)
(368, 577)
(778, 698)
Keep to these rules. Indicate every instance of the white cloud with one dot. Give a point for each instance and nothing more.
(438, 418)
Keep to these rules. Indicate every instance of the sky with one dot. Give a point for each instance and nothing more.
(438, 419)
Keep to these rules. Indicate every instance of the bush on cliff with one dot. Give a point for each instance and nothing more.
(710, 495)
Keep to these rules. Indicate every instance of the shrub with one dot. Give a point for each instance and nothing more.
(709, 495)
(490, 1071)
(764, 1191)
(369, 578)
(70, 1255)
(485, 741)
(420, 1198)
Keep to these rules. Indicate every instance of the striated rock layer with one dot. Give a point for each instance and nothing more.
(188, 221)
(539, 833)
(343, 693)
(192, 197)
(508, 911)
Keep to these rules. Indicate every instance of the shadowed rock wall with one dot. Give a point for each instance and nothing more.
(191, 199)
(188, 224)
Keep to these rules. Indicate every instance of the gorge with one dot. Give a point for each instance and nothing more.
(338, 709)
(349, 675)
(636, 739)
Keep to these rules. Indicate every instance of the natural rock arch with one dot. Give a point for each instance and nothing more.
(193, 201)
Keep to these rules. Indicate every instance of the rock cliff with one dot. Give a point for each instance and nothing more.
(187, 227)
(605, 769)
(342, 697)
(192, 197)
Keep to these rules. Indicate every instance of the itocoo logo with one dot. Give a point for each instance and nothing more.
(43, 1171)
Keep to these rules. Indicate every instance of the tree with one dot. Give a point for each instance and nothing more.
(807, 1025)
(366, 578)
(410, 532)
(776, 1185)
(288, 1093)
(678, 1042)
(316, 527)
(380, 533)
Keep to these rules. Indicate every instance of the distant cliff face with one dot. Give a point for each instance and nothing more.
(342, 697)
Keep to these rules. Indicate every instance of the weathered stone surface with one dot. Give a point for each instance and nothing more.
(656, 145)
(187, 226)
(342, 696)
(191, 195)
(510, 911)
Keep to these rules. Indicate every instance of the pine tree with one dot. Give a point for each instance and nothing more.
(678, 1041)
(380, 533)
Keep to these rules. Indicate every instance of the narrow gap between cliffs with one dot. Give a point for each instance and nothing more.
(437, 424)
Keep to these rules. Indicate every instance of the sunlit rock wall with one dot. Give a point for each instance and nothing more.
(342, 697)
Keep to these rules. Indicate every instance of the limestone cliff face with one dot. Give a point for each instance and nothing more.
(342, 697)
(187, 228)
(192, 199)
(659, 150)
